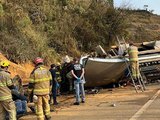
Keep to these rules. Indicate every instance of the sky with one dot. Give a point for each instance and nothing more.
(139, 4)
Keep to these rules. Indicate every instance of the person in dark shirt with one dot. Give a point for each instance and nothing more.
(78, 74)
(66, 84)
(58, 77)
(54, 83)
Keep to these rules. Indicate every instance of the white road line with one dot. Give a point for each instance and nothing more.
(144, 107)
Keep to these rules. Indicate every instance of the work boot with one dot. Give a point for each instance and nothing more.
(32, 109)
(52, 110)
(76, 103)
(83, 101)
(48, 117)
(55, 103)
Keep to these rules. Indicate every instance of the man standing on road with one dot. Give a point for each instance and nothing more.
(133, 58)
(40, 86)
(6, 102)
(78, 74)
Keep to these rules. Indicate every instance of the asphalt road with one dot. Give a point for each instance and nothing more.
(118, 104)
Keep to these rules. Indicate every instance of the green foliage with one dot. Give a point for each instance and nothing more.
(20, 39)
(16, 49)
(100, 24)
(49, 28)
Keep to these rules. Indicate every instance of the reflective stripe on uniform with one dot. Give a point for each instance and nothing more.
(5, 97)
(133, 59)
(135, 74)
(9, 83)
(42, 68)
(132, 51)
(47, 112)
(39, 80)
(31, 80)
(39, 113)
(30, 90)
(58, 73)
(40, 116)
(2, 84)
(41, 90)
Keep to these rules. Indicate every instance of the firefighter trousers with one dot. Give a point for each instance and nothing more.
(43, 107)
(135, 69)
(7, 106)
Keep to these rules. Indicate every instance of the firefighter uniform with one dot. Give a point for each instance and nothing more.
(40, 86)
(6, 102)
(58, 76)
(133, 58)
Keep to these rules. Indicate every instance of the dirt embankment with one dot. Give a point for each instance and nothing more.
(23, 70)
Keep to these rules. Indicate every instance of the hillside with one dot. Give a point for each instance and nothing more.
(53, 28)
(144, 26)
(23, 70)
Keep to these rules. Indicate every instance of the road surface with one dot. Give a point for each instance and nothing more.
(116, 104)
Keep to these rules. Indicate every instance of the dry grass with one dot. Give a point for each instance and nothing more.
(47, 28)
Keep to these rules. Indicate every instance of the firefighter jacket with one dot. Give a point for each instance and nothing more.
(5, 83)
(133, 53)
(40, 80)
(58, 76)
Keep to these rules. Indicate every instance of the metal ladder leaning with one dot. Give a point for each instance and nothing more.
(140, 80)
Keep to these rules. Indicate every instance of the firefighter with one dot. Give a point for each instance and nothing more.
(66, 84)
(40, 83)
(6, 102)
(58, 76)
(133, 58)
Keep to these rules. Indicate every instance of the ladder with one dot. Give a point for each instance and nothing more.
(140, 79)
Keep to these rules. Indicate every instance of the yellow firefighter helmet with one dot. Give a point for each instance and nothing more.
(5, 63)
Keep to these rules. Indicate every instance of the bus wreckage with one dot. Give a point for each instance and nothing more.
(100, 71)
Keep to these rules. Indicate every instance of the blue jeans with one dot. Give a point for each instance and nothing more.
(79, 88)
(54, 92)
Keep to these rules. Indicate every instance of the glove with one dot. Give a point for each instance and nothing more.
(35, 99)
(78, 79)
